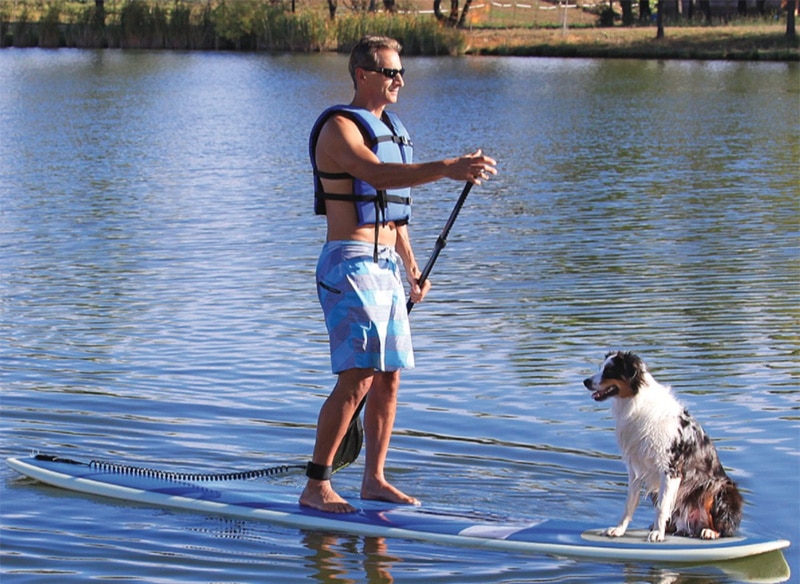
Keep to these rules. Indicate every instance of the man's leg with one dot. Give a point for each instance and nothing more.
(334, 419)
(378, 424)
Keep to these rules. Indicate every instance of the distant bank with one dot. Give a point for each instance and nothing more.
(757, 42)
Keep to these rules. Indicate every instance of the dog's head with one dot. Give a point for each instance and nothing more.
(622, 375)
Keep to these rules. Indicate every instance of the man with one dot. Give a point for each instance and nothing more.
(361, 156)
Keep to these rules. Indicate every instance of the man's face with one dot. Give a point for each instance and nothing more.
(388, 80)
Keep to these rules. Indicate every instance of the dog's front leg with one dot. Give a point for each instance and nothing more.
(666, 503)
(634, 494)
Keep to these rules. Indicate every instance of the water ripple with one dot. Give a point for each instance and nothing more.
(158, 304)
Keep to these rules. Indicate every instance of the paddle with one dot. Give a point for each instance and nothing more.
(350, 447)
(441, 241)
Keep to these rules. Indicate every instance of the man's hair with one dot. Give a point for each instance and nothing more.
(365, 52)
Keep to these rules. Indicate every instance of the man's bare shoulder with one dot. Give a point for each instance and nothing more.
(340, 142)
(340, 127)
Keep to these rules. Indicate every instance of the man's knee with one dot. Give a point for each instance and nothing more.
(355, 382)
(387, 382)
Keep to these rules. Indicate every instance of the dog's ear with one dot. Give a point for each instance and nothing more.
(634, 370)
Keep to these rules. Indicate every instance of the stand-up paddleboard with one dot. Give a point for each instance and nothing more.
(260, 500)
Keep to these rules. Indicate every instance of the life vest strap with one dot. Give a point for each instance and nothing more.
(365, 198)
(393, 138)
(332, 175)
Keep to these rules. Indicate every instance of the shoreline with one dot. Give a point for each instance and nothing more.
(759, 42)
(763, 41)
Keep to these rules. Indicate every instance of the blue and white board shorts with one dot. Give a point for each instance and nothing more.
(364, 306)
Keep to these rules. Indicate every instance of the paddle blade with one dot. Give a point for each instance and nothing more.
(350, 447)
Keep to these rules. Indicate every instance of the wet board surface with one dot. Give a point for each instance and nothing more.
(262, 501)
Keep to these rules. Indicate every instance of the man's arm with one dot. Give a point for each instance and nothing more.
(341, 148)
(406, 253)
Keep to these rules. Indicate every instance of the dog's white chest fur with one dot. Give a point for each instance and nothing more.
(647, 425)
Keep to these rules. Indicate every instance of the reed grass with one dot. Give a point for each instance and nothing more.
(256, 25)
(419, 35)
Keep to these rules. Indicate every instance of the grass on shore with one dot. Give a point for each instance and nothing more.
(733, 42)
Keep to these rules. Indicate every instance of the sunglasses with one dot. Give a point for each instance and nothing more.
(386, 72)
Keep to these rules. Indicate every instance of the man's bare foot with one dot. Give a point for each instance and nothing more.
(376, 490)
(321, 496)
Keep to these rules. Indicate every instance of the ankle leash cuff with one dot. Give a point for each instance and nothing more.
(319, 472)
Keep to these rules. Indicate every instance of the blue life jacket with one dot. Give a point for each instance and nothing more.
(389, 140)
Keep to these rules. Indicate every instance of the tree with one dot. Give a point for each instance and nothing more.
(644, 10)
(452, 20)
(791, 9)
(660, 19)
(741, 7)
(705, 8)
(627, 12)
(360, 6)
(100, 13)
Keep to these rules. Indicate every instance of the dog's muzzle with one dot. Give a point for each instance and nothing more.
(600, 394)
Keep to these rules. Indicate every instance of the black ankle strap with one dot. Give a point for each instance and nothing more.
(319, 472)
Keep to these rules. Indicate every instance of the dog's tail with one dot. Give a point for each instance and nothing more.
(726, 510)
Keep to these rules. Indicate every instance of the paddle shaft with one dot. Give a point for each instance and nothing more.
(441, 241)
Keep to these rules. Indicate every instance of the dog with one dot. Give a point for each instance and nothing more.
(666, 452)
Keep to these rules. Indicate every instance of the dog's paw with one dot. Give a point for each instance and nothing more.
(709, 534)
(615, 531)
(655, 536)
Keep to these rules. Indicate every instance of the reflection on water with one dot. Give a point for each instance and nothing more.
(158, 308)
(328, 564)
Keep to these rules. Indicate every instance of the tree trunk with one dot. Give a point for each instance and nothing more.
(742, 7)
(705, 8)
(452, 20)
(644, 10)
(791, 8)
(99, 13)
(463, 20)
(660, 19)
(332, 9)
(627, 12)
(437, 10)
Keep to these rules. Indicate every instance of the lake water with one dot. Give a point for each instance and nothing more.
(157, 300)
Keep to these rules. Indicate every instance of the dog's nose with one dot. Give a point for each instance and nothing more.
(588, 383)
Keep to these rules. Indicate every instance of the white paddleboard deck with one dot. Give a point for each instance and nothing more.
(259, 500)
